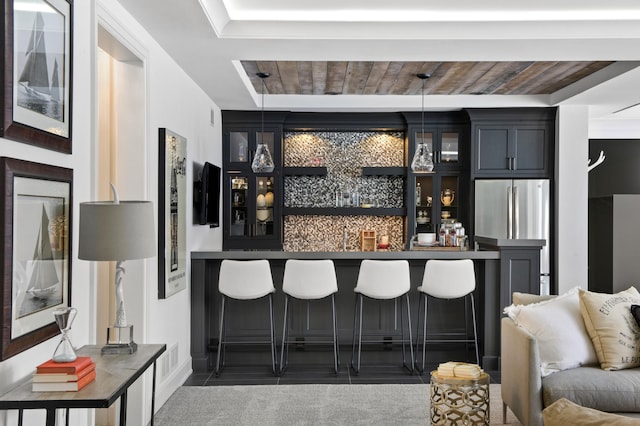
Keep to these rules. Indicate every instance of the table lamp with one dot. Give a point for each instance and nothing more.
(117, 231)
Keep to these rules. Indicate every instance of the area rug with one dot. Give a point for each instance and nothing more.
(391, 404)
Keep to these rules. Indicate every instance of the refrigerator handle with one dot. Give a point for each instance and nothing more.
(509, 212)
(516, 213)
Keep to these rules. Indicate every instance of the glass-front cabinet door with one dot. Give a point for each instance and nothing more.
(264, 217)
(238, 147)
(251, 212)
(238, 226)
(243, 144)
(439, 199)
(444, 146)
(449, 148)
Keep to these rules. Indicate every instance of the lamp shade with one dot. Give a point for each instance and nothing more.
(116, 231)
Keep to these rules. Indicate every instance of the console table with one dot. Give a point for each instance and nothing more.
(114, 375)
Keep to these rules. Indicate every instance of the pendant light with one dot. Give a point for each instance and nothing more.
(263, 161)
(422, 161)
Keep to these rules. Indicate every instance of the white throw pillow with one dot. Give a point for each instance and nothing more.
(558, 327)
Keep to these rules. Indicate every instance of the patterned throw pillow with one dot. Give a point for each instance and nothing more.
(614, 332)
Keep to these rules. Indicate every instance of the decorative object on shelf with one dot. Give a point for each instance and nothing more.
(367, 240)
(268, 199)
(172, 213)
(262, 162)
(64, 352)
(36, 78)
(422, 158)
(36, 234)
(263, 215)
(117, 231)
(423, 217)
(418, 194)
(383, 243)
(447, 196)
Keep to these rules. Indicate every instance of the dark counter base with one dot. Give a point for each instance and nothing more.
(381, 318)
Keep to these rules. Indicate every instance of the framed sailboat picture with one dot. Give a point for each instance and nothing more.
(37, 74)
(36, 251)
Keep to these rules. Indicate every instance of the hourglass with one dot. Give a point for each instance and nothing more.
(64, 351)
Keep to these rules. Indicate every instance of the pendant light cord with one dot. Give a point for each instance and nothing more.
(262, 128)
(422, 119)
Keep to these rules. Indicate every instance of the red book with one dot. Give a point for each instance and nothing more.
(64, 386)
(64, 367)
(64, 377)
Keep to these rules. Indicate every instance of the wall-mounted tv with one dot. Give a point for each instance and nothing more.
(206, 196)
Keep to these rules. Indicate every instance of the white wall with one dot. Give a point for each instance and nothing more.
(174, 102)
(571, 186)
(614, 129)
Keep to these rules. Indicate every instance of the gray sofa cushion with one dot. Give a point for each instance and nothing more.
(612, 391)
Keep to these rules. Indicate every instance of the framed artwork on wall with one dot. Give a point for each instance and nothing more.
(172, 213)
(36, 251)
(37, 73)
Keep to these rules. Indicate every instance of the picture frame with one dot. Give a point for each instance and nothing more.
(36, 251)
(172, 213)
(37, 75)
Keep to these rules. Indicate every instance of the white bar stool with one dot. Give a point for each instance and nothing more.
(382, 279)
(244, 280)
(308, 280)
(447, 279)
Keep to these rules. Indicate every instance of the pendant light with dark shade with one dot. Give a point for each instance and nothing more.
(263, 161)
(422, 159)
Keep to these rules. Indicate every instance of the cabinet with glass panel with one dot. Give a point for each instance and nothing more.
(251, 200)
(441, 195)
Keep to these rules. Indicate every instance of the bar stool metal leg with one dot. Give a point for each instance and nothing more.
(475, 328)
(273, 336)
(219, 360)
(336, 348)
(357, 329)
(410, 366)
(284, 353)
(422, 306)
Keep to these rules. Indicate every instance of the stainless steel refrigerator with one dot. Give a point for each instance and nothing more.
(515, 208)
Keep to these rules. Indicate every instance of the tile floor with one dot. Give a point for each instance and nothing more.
(315, 366)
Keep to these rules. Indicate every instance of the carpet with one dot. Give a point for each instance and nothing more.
(391, 404)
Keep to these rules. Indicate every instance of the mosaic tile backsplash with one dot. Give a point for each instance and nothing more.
(343, 154)
(324, 233)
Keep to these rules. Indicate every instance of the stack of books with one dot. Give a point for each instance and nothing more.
(53, 376)
(461, 370)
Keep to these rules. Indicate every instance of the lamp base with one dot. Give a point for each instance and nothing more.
(119, 341)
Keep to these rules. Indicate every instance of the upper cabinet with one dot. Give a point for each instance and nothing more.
(445, 134)
(512, 142)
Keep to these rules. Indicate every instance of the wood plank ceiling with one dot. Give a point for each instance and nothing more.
(399, 78)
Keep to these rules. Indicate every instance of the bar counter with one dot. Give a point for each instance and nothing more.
(348, 255)
(205, 299)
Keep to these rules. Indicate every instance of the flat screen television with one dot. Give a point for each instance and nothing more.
(207, 200)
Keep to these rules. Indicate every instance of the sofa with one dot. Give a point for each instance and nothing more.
(526, 392)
